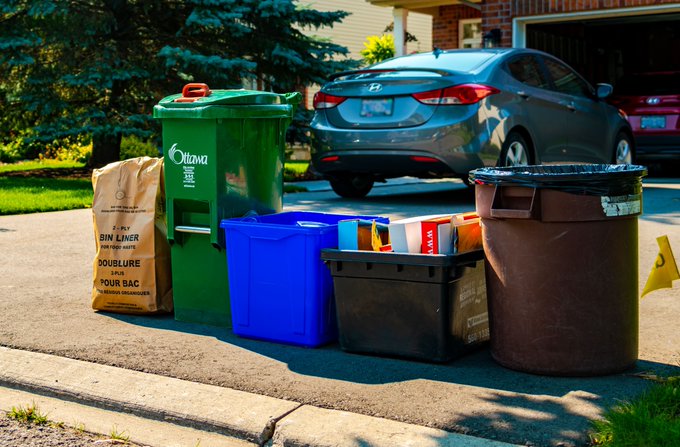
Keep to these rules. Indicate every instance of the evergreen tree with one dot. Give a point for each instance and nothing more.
(96, 67)
(258, 40)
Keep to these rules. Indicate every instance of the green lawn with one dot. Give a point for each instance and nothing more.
(295, 169)
(22, 195)
(650, 420)
(38, 164)
(27, 194)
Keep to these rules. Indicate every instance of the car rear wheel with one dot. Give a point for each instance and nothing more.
(515, 151)
(352, 186)
(623, 149)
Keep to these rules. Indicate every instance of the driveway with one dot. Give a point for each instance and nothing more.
(45, 291)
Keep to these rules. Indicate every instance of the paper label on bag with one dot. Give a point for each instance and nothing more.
(621, 205)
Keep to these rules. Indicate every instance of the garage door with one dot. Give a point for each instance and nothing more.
(604, 49)
(603, 44)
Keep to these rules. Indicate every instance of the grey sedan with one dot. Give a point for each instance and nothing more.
(444, 113)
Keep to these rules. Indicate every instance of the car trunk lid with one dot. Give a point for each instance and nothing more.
(376, 99)
(650, 103)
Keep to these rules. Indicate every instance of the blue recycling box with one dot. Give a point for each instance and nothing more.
(279, 288)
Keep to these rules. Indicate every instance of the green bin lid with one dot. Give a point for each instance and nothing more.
(198, 101)
(200, 95)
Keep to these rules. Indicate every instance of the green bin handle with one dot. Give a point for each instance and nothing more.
(293, 98)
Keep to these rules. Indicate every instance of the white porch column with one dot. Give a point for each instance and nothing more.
(400, 15)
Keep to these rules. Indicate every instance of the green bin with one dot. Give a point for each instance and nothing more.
(224, 156)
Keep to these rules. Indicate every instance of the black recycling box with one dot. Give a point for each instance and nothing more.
(427, 307)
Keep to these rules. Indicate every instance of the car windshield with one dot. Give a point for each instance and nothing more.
(456, 61)
(645, 84)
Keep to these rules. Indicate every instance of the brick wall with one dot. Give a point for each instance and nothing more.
(499, 13)
(535, 7)
(445, 25)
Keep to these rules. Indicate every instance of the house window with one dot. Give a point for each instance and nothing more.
(470, 33)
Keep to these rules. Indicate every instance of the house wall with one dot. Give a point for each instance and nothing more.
(369, 20)
(365, 20)
(445, 25)
(499, 14)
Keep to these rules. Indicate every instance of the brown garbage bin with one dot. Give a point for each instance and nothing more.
(561, 250)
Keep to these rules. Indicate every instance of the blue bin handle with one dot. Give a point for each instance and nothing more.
(310, 224)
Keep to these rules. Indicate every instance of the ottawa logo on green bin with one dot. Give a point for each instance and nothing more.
(184, 158)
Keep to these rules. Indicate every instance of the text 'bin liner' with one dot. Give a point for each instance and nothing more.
(561, 250)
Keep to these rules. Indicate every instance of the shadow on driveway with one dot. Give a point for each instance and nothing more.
(330, 362)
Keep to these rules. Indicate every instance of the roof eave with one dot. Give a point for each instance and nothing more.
(430, 7)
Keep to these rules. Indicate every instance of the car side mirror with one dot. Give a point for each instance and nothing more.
(604, 90)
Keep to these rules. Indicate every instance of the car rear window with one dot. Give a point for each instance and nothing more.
(389, 74)
(462, 61)
(649, 84)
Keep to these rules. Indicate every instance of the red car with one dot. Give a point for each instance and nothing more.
(652, 103)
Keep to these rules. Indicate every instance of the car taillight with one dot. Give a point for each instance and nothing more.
(421, 159)
(325, 101)
(457, 95)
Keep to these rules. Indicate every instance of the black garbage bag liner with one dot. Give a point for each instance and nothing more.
(584, 179)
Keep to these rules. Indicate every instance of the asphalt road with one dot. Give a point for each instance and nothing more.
(45, 286)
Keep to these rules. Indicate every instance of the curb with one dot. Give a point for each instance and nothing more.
(230, 412)
(243, 416)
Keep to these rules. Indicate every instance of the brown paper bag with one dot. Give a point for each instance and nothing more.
(132, 264)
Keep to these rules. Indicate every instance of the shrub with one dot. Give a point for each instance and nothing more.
(132, 146)
(66, 150)
(378, 48)
(10, 152)
(63, 150)
(20, 148)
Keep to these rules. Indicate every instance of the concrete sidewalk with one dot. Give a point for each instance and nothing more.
(165, 412)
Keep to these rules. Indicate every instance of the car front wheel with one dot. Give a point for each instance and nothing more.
(352, 186)
(623, 149)
(515, 151)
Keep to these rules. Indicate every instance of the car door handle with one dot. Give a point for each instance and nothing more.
(523, 94)
(571, 106)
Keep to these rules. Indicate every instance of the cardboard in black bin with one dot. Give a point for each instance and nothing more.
(427, 307)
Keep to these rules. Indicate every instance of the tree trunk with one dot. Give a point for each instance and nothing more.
(105, 149)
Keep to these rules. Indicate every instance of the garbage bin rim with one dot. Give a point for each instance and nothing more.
(233, 97)
(290, 219)
(435, 260)
(208, 111)
(555, 173)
